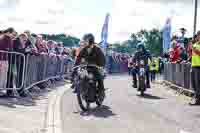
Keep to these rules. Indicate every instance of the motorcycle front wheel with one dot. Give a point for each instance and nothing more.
(84, 105)
(83, 102)
(142, 86)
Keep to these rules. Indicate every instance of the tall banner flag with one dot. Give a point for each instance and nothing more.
(104, 34)
(167, 35)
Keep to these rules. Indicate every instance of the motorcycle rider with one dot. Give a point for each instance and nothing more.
(93, 55)
(145, 55)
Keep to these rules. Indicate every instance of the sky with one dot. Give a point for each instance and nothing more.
(77, 17)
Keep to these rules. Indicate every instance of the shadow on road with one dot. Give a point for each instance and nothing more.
(35, 94)
(101, 112)
(148, 96)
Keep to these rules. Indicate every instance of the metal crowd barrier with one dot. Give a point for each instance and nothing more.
(18, 71)
(178, 74)
(40, 68)
(12, 66)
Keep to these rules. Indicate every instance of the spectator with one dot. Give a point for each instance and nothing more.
(166, 57)
(44, 49)
(183, 55)
(51, 48)
(175, 53)
(196, 70)
(66, 52)
(130, 64)
(170, 54)
(24, 46)
(1, 32)
(5, 45)
(40, 45)
(77, 51)
(189, 51)
(154, 66)
(60, 48)
(161, 65)
(31, 38)
(73, 52)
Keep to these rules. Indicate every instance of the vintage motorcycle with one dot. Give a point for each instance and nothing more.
(142, 77)
(87, 88)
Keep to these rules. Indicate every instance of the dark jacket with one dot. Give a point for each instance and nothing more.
(5, 45)
(96, 56)
(145, 55)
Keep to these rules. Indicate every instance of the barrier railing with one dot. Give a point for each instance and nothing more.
(178, 74)
(18, 71)
(11, 70)
(42, 68)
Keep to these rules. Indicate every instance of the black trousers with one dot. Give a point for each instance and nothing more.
(153, 75)
(196, 81)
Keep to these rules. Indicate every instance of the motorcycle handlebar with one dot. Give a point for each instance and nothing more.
(95, 66)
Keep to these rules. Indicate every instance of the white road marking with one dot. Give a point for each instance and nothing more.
(8, 130)
(53, 123)
(182, 131)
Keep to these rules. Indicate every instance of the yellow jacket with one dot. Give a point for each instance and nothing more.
(154, 64)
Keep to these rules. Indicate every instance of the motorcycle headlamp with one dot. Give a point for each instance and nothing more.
(142, 62)
(90, 76)
(83, 73)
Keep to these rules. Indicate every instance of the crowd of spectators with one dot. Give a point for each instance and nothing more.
(26, 43)
(181, 49)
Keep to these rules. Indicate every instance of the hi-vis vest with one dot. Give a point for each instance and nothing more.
(154, 64)
(195, 57)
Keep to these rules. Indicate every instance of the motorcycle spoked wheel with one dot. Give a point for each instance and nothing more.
(100, 98)
(142, 86)
(82, 98)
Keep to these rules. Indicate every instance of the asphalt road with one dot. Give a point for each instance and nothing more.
(160, 111)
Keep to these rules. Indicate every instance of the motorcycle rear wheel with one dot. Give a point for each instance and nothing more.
(100, 98)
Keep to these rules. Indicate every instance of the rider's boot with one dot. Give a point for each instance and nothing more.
(134, 82)
(147, 81)
(101, 87)
(148, 84)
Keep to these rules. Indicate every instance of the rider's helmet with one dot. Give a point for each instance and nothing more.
(89, 38)
(141, 46)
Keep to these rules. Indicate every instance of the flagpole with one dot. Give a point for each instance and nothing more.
(195, 16)
(104, 37)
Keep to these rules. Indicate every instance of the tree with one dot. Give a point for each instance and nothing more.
(152, 40)
(68, 41)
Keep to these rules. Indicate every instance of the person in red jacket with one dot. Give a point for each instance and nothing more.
(175, 55)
